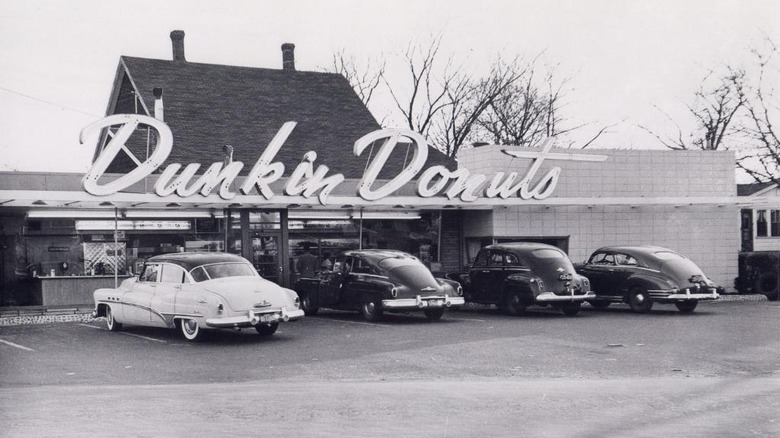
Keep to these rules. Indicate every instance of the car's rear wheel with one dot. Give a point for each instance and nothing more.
(601, 305)
(308, 308)
(267, 329)
(571, 309)
(513, 304)
(639, 300)
(686, 306)
(111, 323)
(434, 314)
(371, 309)
(190, 330)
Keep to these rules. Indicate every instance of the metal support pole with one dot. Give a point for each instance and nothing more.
(360, 233)
(116, 247)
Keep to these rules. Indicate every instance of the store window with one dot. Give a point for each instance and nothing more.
(326, 234)
(774, 223)
(761, 224)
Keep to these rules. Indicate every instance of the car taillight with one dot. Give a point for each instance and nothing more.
(393, 292)
(460, 291)
(220, 308)
(297, 303)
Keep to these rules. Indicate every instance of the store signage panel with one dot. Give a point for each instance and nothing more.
(309, 179)
(150, 225)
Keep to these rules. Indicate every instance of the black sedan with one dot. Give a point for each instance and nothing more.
(643, 275)
(377, 280)
(515, 275)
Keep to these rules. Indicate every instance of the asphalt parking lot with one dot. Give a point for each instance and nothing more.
(715, 372)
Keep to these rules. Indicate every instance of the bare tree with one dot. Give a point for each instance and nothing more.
(719, 99)
(468, 100)
(761, 160)
(425, 95)
(364, 80)
(452, 108)
(525, 112)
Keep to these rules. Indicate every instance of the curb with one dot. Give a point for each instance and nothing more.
(22, 315)
(45, 319)
(739, 297)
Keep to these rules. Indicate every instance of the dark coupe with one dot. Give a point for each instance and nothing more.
(519, 274)
(643, 275)
(376, 280)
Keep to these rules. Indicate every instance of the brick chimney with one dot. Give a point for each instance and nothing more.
(158, 104)
(288, 56)
(177, 39)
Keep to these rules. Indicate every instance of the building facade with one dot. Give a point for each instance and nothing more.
(267, 163)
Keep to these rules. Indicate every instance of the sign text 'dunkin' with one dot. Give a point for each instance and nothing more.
(309, 179)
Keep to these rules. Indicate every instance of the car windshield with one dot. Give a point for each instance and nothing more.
(391, 263)
(222, 270)
(668, 255)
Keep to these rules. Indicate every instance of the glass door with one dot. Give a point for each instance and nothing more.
(266, 248)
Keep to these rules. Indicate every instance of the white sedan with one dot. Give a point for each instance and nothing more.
(194, 292)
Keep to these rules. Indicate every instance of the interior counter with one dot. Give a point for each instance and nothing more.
(71, 290)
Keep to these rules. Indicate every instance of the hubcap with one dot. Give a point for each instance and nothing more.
(639, 298)
(190, 326)
(370, 307)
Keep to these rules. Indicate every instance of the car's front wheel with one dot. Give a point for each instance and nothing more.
(308, 308)
(371, 309)
(768, 284)
(434, 314)
(639, 300)
(571, 309)
(111, 323)
(267, 329)
(190, 330)
(513, 304)
(686, 306)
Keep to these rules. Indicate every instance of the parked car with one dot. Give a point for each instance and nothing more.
(516, 275)
(377, 280)
(759, 273)
(194, 292)
(643, 275)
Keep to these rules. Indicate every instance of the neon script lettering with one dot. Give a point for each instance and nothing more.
(308, 179)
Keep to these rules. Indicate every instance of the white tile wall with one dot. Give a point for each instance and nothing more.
(708, 234)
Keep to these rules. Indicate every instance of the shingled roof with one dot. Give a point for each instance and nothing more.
(208, 106)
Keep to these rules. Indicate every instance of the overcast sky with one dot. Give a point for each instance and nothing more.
(625, 57)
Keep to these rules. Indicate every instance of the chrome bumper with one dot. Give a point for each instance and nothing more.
(549, 297)
(254, 317)
(419, 302)
(690, 296)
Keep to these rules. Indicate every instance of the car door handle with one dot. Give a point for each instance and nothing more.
(202, 301)
(485, 272)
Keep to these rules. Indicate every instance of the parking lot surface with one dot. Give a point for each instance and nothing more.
(715, 372)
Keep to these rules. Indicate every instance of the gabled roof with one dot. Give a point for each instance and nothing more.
(208, 106)
(754, 188)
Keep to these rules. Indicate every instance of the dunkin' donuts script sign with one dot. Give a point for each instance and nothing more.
(309, 179)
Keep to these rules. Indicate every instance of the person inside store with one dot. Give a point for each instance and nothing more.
(307, 263)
